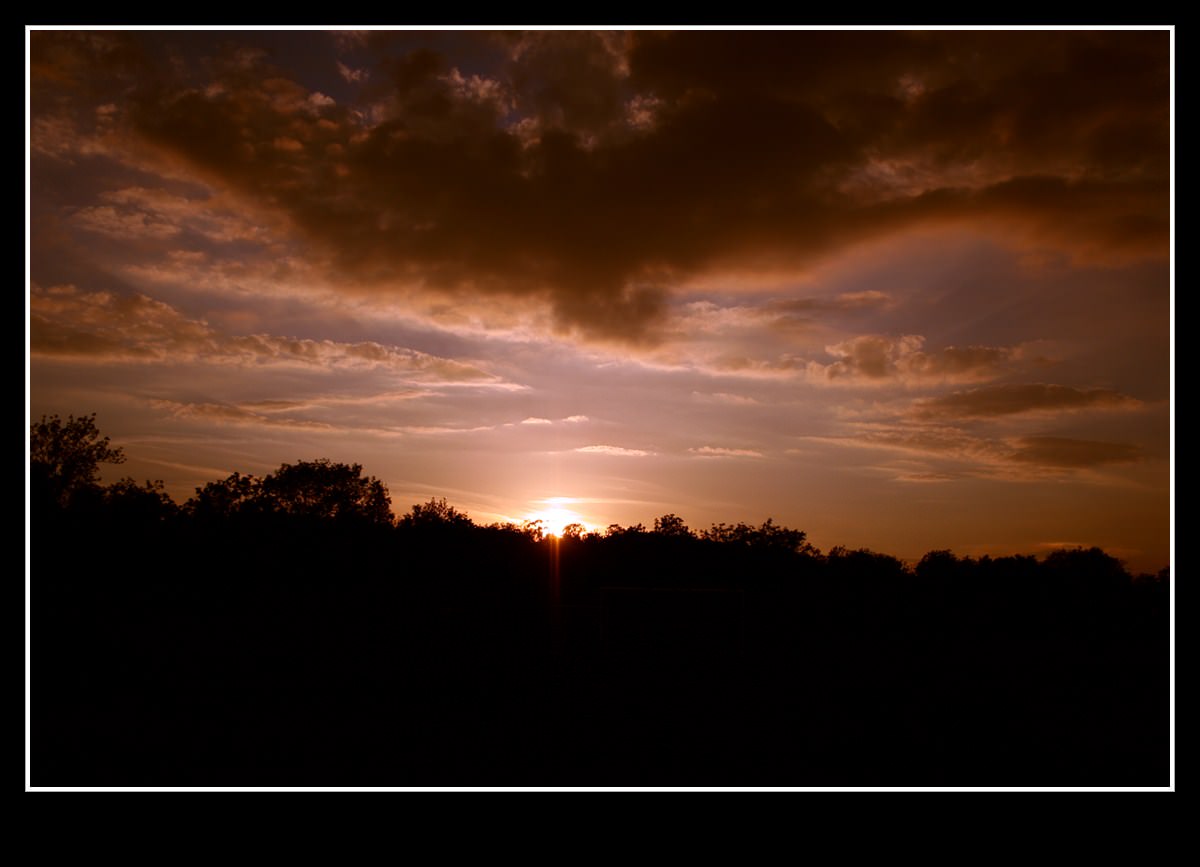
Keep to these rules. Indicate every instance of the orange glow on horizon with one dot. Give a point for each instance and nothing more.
(555, 516)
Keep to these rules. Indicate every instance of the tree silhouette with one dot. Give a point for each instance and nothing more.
(127, 501)
(324, 489)
(65, 457)
(671, 525)
(224, 499)
(767, 536)
(435, 513)
(939, 568)
(320, 489)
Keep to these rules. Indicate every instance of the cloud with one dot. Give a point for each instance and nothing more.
(614, 450)
(720, 452)
(55, 136)
(876, 358)
(351, 75)
(134, 213)
(1066, 452)
(573, 82)
(1019, 457)
(276, 415)
(1000, 400)
(594, 172)
(700, 319)
(918, 439)
(479, 89)
(110, 222)
(66, 322)
(227, 414)
(926, 478)
(726, 398)
(868, 299)
(865, 360)
(351, 40)
(67, 138)
(538, 421)
(703, 318)
(372, 399)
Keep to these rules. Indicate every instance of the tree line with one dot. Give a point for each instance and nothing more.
(65, 459)
(289, 629)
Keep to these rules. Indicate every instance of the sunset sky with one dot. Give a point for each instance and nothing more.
(902, 290)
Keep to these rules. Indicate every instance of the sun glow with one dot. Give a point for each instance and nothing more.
(555, 516)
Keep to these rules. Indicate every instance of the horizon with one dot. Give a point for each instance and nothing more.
(904, 291)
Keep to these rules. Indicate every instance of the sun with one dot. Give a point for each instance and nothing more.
(555, 516)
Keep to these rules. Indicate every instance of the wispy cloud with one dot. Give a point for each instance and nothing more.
(136, 213)
(1000, 400)
(1068, 452)
(726, 397)
(1003, 457)
(351, 75)
(66, 322)
(870, 360)
(722, 452)
(538, 421)
(873, 359)
(228, 414)
(254, 414)
(866, 299)
(618, 451)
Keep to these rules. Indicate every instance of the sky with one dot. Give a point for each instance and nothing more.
(902, 290)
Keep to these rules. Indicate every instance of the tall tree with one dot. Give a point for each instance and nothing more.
(65, 457)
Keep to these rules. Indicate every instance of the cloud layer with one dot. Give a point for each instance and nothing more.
(1028, 457)
(66, 322)
(594, 171)
(872, 358)
(1000, 400)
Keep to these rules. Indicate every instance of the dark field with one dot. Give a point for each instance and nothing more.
(280, 650)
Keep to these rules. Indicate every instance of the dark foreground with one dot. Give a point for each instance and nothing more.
(284, 652)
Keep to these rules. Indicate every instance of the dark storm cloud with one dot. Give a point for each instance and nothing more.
(92, 61)
(1035, 96)
(597, 170)
(999, 400)
(572, 81)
